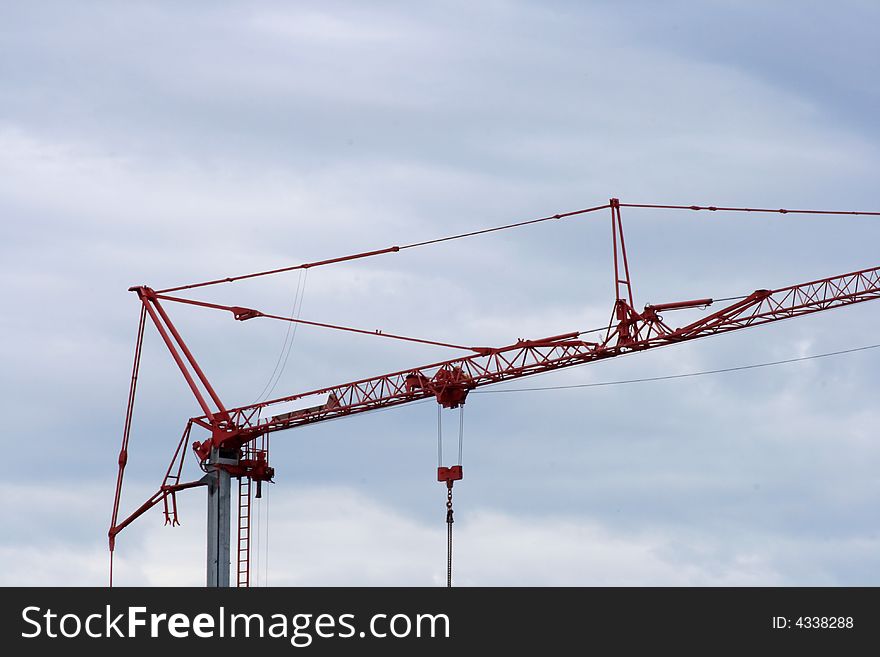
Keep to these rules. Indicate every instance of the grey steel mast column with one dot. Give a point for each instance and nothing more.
(219, 512)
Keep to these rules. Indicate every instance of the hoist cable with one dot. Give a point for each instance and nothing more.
(460, 431)
(449, 482)
(439, 437)
(449, 522)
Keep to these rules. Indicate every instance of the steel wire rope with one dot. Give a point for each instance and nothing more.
(256, 561)
(460, 431)
(439, 437)
(264, 394)
(293, 335)
(669, 377)
(266, 542)
(562, 215)
(390, 249)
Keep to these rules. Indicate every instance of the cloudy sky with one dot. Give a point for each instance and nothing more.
(166, 142)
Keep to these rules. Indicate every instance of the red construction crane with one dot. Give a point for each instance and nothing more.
(236, 444)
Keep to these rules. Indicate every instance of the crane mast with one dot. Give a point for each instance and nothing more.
(237, 442)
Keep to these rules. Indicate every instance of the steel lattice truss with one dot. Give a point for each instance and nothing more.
(448, 381)
(236, 431)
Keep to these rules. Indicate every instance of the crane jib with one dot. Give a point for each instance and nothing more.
(238, 442)
(450, 381)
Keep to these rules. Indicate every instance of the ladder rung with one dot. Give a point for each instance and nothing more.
(244, 530)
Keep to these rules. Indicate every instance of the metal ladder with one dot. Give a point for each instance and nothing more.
(244, 532)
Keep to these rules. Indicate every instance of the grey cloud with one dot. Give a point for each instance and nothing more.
(155, 144)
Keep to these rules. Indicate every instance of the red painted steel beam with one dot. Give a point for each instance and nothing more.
(157, 497)
(679, 305)
(443, 379)
(122, 459)
(242, 314)
(192, 361)
(163, 333)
